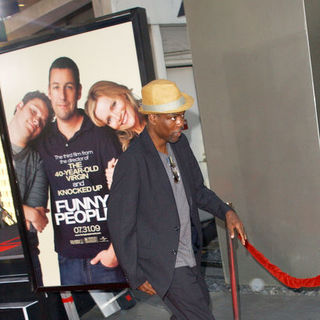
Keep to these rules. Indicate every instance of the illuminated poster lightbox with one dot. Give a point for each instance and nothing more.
(114, 48)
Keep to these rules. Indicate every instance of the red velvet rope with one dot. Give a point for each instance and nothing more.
(283, 277)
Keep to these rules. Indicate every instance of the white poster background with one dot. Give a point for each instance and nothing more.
(104, 54)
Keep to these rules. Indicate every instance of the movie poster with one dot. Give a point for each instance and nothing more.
(62, 180)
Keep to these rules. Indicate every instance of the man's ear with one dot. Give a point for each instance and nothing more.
(20, 105)
(79, 91)
(153, 118)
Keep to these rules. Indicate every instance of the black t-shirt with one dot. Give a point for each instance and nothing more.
(78, 189)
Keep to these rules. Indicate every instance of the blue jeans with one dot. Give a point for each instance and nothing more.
(74, 271)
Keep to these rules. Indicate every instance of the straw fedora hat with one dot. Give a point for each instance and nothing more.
(163, 96)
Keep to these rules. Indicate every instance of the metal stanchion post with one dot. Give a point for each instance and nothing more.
(69, 305)
(233, 279)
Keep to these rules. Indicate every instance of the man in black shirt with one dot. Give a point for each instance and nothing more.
(75, 153)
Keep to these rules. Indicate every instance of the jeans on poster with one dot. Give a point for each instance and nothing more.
(75, 271)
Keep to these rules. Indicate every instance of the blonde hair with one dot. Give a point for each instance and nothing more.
(112, 90)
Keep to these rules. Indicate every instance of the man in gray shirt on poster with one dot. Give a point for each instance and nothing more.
(30, 117)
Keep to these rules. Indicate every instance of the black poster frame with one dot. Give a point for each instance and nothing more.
(135, 16)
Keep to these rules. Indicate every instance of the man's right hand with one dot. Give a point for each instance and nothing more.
(147, 288)
(106, 257)
(36, 216)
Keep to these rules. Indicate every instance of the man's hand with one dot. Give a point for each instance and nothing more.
(147, 288)
(36, 216)
(233, 222)
(106, 257)
(109, 171)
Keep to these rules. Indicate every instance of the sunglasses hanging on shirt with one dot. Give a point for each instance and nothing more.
(174, 170)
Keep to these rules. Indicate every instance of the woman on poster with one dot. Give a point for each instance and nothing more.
(114, 105)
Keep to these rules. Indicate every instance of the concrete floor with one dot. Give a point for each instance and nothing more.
(268, 304)
(253, 307)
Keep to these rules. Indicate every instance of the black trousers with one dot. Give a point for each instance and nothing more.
(188, 297)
